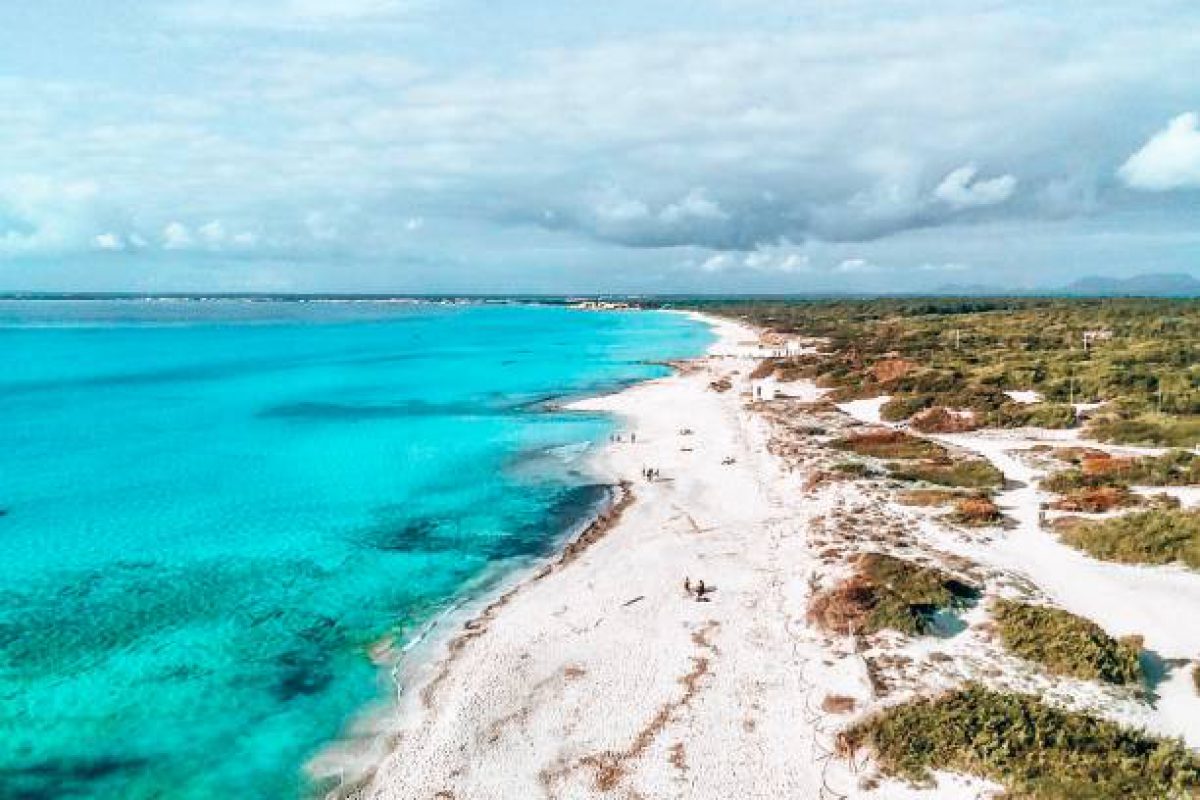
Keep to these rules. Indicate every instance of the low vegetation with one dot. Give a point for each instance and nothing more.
(925, 498)
(888, 592)
(1147, 429)
(1094, 469)
(1160, 536)
(1096, 500)
(1037, 752)
(856, 469)
(1066, 644)
(968, 474)
(976, 511)
(1137, 356)
(887, 443)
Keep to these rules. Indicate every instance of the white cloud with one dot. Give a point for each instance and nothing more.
(177, 236)
(696, 205)
(1169, 160)
(783, 258)
(108, 241)
(40, 215)
(960, 189)
(213, 233)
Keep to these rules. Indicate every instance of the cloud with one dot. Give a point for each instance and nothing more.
(724, 134)
(961, 190)
(1169, 160)
(613, 214)
(177, 236)
(783, 258)
(213, 233)
(696, 205)
(41, 215)
(855, 266)
(108, 241)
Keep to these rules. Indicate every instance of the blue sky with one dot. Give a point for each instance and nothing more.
(711, 145)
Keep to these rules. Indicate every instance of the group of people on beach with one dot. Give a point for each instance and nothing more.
(651, 473)
(620, 437)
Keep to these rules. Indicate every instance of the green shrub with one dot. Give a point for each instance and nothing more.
(1036, 751)
(1034, 415)
(903, 406)
(1069, 480)
(973, 474)
(1065, 644)
(1148, 429)
(889, 593)
(1174, 468)
(1161, 536)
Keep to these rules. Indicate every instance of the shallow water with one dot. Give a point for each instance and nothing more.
(212, 510)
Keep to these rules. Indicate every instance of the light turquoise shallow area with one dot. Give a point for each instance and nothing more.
(212, 510)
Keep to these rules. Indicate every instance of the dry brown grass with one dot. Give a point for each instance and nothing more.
(1097, 499)
(838, 704)
(1105, 464)
(891, 369)
(888, 443)
(976, 511)
(942, 420)
(926, 498)
(764, 369)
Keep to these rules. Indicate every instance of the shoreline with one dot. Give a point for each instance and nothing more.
(428, 665)
(424, 660)
(604, 675)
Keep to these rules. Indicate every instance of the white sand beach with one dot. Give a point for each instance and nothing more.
(603, 677)
(600, 677)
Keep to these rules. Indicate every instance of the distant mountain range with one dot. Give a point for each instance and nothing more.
(1163, 285)
(1175, 284)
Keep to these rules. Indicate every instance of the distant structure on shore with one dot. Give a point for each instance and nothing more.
(599, 305)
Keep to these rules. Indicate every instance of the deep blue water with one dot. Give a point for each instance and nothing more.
(212, 511)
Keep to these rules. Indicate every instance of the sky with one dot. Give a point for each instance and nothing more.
(666, 146)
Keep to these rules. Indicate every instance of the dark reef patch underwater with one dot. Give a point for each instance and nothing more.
(214, 513)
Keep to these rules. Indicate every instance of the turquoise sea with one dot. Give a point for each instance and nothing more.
(211, 510)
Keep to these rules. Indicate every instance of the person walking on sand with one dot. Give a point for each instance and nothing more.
(687, 585)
